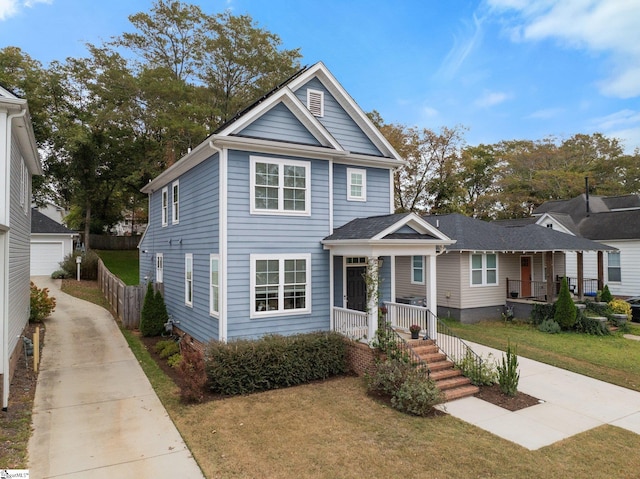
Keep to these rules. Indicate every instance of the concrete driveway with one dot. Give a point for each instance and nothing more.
(95, 412)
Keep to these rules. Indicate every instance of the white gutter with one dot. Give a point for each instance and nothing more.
(5, 266)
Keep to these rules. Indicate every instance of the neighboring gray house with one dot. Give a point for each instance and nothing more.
(51, 242)
(490, 264)
(274, 222)
(19, 160)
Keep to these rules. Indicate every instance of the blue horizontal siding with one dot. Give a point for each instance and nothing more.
(281, 125)
(338, 122)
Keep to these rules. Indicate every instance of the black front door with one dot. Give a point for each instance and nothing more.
(356, 288)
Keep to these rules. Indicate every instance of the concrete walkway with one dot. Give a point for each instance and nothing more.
(95, 412)
(570, 404)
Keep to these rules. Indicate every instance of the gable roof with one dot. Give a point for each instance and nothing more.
(229, 135)
(476, 235)
(42, 224)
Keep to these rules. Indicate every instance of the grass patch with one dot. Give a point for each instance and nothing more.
(85, 289)
(613, 359)
(123, 263)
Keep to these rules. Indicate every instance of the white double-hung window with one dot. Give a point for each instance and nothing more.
(614, 268)
(188, 279)
(417, 269)
(280, 186)
(175, 195)
(214, 284)
(165, 206)
(280, 284)
(357, 184)
(484, 269)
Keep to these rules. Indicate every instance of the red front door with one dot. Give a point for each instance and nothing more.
(525, 276)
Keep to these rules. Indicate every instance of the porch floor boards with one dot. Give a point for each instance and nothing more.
(447, 378)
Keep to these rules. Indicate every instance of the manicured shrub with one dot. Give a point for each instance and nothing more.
(88, 267)
(246, 366)
(542, 311)
(619, 306)
(169, 349)
(416, 395)
(175, 360)
(508, 375)
(192, 368)
(565, 311)
(60, 274)
(388, 376)
(153, 314)
(606, 295)
(549, 326)
(590, 325)
(41, 304)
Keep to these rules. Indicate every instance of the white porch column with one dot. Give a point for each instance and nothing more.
(373, 279)
(432, 294)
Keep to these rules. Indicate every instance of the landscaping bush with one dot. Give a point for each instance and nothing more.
(606, 295)
(508, 375)
(566, 310)
(542, 311)
(590, 325)
(153, 314)
(597, 308)
(483, 375)
(169, 349)
(41, 304)
(175, 360)
(247, 366)
(88, 267)
(388, 376)
(620, 306)
(60, 274)
(192, 368)
(416, 395)
(549, 326)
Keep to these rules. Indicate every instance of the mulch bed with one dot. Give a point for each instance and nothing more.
(494, 395)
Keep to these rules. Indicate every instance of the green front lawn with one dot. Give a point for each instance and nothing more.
(610, 358)
(123, 263)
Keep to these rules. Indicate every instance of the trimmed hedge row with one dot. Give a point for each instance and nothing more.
(248, 366)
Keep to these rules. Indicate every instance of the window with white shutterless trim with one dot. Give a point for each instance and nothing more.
(165, 206)
(159, 267)
(315, 102)
(188, 279)
(280, 186)
(214, 284)
(175, 197)
(280, 284)
(484, 269)
(417, 270)
(357, 184)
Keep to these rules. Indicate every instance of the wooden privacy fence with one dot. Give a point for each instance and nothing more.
(125, 300)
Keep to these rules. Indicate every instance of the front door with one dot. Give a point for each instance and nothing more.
(525, 276)
(356, 288)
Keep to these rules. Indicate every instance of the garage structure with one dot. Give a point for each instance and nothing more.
(50, 243)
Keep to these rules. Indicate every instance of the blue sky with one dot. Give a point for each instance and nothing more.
(504, 69)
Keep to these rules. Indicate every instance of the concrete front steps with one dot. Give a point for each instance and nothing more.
(447, 377)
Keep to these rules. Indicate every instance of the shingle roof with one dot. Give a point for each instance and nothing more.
(477, 235)
(368, 228)
(44, 225)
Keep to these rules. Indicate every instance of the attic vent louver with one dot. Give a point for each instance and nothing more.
(315, 102)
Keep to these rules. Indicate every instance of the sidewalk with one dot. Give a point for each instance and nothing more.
(570, 404)
(95, 413)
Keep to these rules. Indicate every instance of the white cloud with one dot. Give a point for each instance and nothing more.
(599, 26)
(430, 112)
(491, 98)
(545, 114)
(9, 8)
(463, 45)
(623, 124)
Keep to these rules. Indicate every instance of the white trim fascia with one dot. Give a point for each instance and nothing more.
(345, 100)
(296, 107)
(258, 145)
(546, 217)
(418, 224)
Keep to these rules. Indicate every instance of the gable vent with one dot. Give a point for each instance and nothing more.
(315, 102)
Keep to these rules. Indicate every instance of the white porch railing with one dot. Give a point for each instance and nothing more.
(402, 316)
(350, 323)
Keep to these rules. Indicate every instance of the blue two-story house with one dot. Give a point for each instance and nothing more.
(282, 221)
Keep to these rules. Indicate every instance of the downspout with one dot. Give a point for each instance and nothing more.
(222, 239)
(5, 266)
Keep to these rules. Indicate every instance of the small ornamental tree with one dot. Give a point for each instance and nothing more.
(161, 312)
(152, 316)
(566, 311)
(606, 296)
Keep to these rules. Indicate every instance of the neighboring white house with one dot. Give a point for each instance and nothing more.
(19, 160)
(50, 210)
(50, 243)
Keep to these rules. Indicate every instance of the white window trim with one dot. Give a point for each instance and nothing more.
(159, 267)
(188, 284)
(281, 163)
(350, 173)
(281, 259)
(164, 205)
(484, 271)
(413, 269)
(175, 203)
(609, 253)
(212, 311)
(320, 94)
